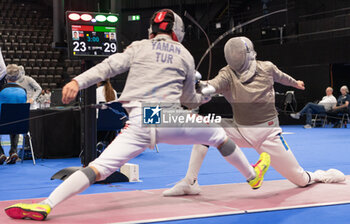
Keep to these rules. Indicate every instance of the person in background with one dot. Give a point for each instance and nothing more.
(32, 87)
(44, 99)
(342, 106)
(343, 101)
(2, 70)
(247, 84)
(47, 100)
(33, 91)
(104, 94)
(173, 80)
(41, 99)
(12, 93)
(324, 106)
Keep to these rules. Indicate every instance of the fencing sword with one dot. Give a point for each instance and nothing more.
(211, 45)
(102, 106)
(227, 33)
(208, 41)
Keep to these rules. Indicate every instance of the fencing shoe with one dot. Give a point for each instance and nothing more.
(2, 159)
(183, 188)
(329, 176)
(295, 115)
(260, 168)
(12, 159)
(31, 211)
(307, 126)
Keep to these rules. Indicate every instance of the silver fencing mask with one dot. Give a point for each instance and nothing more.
(240, 56)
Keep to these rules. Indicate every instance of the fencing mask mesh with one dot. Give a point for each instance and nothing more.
(240, 56)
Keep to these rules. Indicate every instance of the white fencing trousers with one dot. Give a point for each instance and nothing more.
(268, 138)
(134, 139)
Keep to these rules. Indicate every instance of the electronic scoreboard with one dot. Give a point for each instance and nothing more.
(91, 35)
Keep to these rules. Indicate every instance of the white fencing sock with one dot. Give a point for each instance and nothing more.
(197, 157)
(234, 155)
(74, 184)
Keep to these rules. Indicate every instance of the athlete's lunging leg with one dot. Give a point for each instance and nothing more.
(247, 84)
(173, 79)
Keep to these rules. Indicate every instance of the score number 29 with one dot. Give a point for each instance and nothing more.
(81, 46)
(110, 47)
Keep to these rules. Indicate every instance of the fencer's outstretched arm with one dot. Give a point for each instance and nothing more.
(221, 82)
(110, 67)
(284, 79)
(70, 91)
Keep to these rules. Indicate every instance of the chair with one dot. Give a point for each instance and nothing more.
(111, 119)
(14, 119)
(42, 54)
(52, 85)
(15, 46)
(26, 54)
(34, 54)
(59, 70)
(35, 70)
(45, 46)
(8, 61)
(15, 61)
(30, 46)
(43, 70)
(70, 70)
(56, 54)
(290, 103)
(41, 78)
(67, 62)
(8, 46)
(19, 54)
(11, 53)
(57, 78)
(45, 85)
(320, 120)
(343, 117)
(26, 39)
(12, 38)
(32, 62)
(54, 63)
(39, 62)
(37, 46)
(51, 70)
(331, 117)
(77, 70)
(28, 69)
(50, 78)
(46, 62)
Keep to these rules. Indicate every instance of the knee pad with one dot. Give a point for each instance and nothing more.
(227, 148)
(90, 173)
